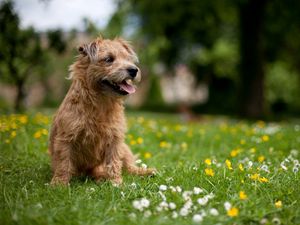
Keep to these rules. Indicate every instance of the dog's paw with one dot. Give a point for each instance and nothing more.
(116, 182)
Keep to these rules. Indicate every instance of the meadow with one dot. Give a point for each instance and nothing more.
(214, 171)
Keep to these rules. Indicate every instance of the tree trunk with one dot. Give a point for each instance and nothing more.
(19, 102)
(251, 97)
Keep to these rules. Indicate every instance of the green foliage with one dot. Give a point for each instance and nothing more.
(179, 151)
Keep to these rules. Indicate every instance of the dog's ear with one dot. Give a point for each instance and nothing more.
(128, 48)
(89, 50)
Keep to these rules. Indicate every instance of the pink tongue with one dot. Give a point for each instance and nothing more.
(127, 87)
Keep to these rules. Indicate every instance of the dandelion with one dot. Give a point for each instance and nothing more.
(261, 158)
(44, 131)
(184, 145)
(228, 164)
(241, 168)
(242, 142)
(233, 212)
(278, 204)
(234, 152)
(140, 140)
(243, 195)
(265, 138)
(13, 134)
(37, 135)
(207, 161)
(147, 155)
(253, 150)
(209, 172)
(23, 119)
(263, 180)
(132, 142)
(163, 144)
(197, 218)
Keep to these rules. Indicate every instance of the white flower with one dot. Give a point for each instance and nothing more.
(265, 168)
(132, 215)
(197, 218)
(178, 189)
(144, 166)
(145, 202)
(202, 201)
(213, 212)
(184, 211)
(163, 187)
(122, 194)
(147, 213)
(188, 204)
(158, 209)
(137, 205)
(174, 215)
(164, 205)
(283, 166)
(186, 195)
(210, 195)
(227, 206)
(138, 161)
(169, 179)
(172, 205)
(133, 185)
(250, 164)
(197, 190)
(172, 188)
(195, 168)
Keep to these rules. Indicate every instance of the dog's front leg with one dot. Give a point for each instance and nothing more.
(113, 165)
(61, 164)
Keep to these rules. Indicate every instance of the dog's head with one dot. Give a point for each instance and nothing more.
(112, 66)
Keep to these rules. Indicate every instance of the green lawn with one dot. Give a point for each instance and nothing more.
(251, 168)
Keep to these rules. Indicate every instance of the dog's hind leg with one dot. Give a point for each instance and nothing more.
(128, 160)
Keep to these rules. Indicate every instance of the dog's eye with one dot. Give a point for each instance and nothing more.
(109, 59)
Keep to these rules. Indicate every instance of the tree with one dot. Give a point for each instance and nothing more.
(21, 52)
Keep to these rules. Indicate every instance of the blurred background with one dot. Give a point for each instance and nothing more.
(231, 57)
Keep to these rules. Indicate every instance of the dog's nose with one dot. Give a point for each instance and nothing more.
(132, 71)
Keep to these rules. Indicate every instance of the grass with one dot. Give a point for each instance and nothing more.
(262, 162)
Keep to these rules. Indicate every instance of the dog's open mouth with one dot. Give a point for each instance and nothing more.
(124, 88)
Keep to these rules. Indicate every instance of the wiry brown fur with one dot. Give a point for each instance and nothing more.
(87, 135)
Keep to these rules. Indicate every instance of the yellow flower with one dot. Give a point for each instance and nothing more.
(140, 140)
(252, 150)
(261, 158)
(23, 119)
(243, 195)
(184, 145)
(263, 180)
(163, 144)
(132, 142)
(207, 161)
(241, 167)
(242, 142)
(228, 164)
(37, 134)
(177, 127)
(147, 155)
(254, 176)
(278, 204)
(209, 172)
(235, 152)
(7, 141)
(265, 138)
(13, 134)
(44, 131)
(233, 212)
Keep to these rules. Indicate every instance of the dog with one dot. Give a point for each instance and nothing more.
(88, 130)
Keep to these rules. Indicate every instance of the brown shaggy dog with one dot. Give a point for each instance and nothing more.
(87, 135)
